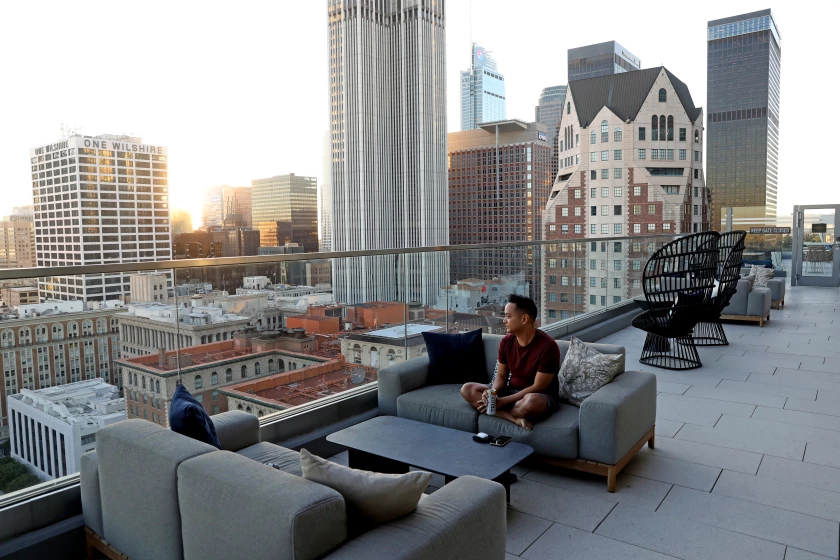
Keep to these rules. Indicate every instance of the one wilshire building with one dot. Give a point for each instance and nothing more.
(388, 146)
(744, 66)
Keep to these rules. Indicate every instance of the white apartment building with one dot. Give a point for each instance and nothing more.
(149, 288)
(389, 161)
(99, 200)
(631, 164)
(52, 428)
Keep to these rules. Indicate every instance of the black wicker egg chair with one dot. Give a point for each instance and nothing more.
(678, 281)
(709, 331)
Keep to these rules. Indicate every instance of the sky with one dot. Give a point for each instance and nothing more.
(239, 91)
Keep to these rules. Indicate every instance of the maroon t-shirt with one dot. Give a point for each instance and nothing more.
(540, 355)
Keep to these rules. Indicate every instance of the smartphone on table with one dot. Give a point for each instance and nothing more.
(500, 441)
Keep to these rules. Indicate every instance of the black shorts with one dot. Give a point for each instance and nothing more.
(553, 401)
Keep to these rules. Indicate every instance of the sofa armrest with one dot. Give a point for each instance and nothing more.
(236, 429)
(616, 417)
(399, 379)
(758, 302)
(466, 519)
(91, 494)
(777, 288)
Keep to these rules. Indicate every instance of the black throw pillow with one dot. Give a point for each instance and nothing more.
(455, 358)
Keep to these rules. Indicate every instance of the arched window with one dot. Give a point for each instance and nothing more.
(257, 368)
(87, 327)
(281, 365)
(248, 409)
(696, 136)
(270, 365)
(143, 382)
(593, 137)
(244, 372)
(605, 131)
(57, 331)
(662, 125)
(214, 378)
(239, 407)
(41, 333)
(391, 357)
(654, 128)
(25, 335)
(663, 95)
(357, 354)
(374, 357)
(670, 127)
(72, 329)
(157, 388)
(198, 382)
(568, 108)
(8, 338)
(228, 375)
(260, 413)
(617, 135)
(101, 325)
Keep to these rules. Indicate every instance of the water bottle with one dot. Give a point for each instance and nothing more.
(491, 403)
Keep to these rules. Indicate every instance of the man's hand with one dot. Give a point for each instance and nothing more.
(482, 404)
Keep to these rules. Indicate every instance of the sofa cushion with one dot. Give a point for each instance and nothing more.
(371, 498)
(762, 275)
(586, 370)
(441, 405)
(187, 417)
(91, 496)
(287, 459)
(556, 436)
(455, 358)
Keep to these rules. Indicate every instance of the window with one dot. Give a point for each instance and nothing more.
(605, 155)
(215, 395)
(552, 227)
(605, 192)
(663, 96)
(666, 226)
(199, 398)
(682, 154)
(616, 299)
(651, 208)
(637, 191)
(617, 135)
(605, 228)
(592, 299)
(617, 155)
(577, 141)
(577, 210)
(637, 283)
(642, 153)
(654, 128)
(592, 282)
(696, 155)
(696, 210)
(564, 280)
(215, 409)
(198, 382)
(576, 193)
(564, 211)
(552, 297)
(617, 190)
(577, 228)
(604, 300)
(617, 229)
(636, 264)
(654, 154)
(564, 298)
(641, 133)
(670, 127)
(662, 120)
(696, 191)
(682, 135)
(568, 108)
(605, 131)
(552, 279)
(651, 227)
(592, 176)
(564, 228)
(593, 229)
(605, 210)
(617, 173)
(696, 173)
(637, 228)
(605, 174)
(593, 137)
(157, 386)
(244, 371)
(670, 154)
(257, 367)
(593, 192)
(617, 210)
(637, 209)
(593, 210)
(616, 246)
(616, 282)
(696, 136)
(552, 263)
(593, 156)
(616, 265)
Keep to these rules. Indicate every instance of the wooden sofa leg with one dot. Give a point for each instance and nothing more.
(612, 472)
(651, 441)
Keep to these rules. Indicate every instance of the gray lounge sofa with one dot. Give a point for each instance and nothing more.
(599, 437)
(151, 493)
(749, 304)
(775, 284)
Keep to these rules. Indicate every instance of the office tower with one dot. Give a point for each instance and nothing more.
(212, 210)
(63, 420)
(388, 126)
(482, 91)
(629, 166)
(744, 65)
(285, 210)
(325, 198)
(181, 222)
(236, 206)
(548, 112)
(490, 202)
(17, 241)
(112, 210)
(601, 59)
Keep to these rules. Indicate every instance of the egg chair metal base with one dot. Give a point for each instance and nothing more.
(710, 333)
(661, 352)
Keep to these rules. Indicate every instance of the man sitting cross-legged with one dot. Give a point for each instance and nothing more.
(531, 359)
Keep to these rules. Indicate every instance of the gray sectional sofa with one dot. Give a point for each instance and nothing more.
(749, 304)
(150, 493)
(600, 437)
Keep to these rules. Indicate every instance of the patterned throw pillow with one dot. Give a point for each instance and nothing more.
(762, 275)
(586, 370)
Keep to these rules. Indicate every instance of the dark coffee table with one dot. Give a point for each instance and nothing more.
(389, 444)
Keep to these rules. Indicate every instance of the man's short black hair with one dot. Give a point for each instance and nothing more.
(524, 304)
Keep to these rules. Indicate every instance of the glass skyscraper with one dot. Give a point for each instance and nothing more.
(744, 64)
(601, 59)
(285, 210)
(482, 91)
(548, 112)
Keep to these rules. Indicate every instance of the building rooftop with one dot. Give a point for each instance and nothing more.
(91, 402)
(198, 315)
(53, 308)
(401, 331)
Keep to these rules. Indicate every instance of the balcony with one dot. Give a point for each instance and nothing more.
(747, 452)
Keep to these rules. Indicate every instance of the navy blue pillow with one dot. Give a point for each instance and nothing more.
(187, 417)
(455, 358)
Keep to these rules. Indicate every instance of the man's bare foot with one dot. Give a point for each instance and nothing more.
(522, 423)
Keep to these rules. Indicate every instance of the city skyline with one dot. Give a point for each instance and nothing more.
(200, 104)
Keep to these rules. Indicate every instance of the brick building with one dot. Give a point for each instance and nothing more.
(631, 164)
(500, 175)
